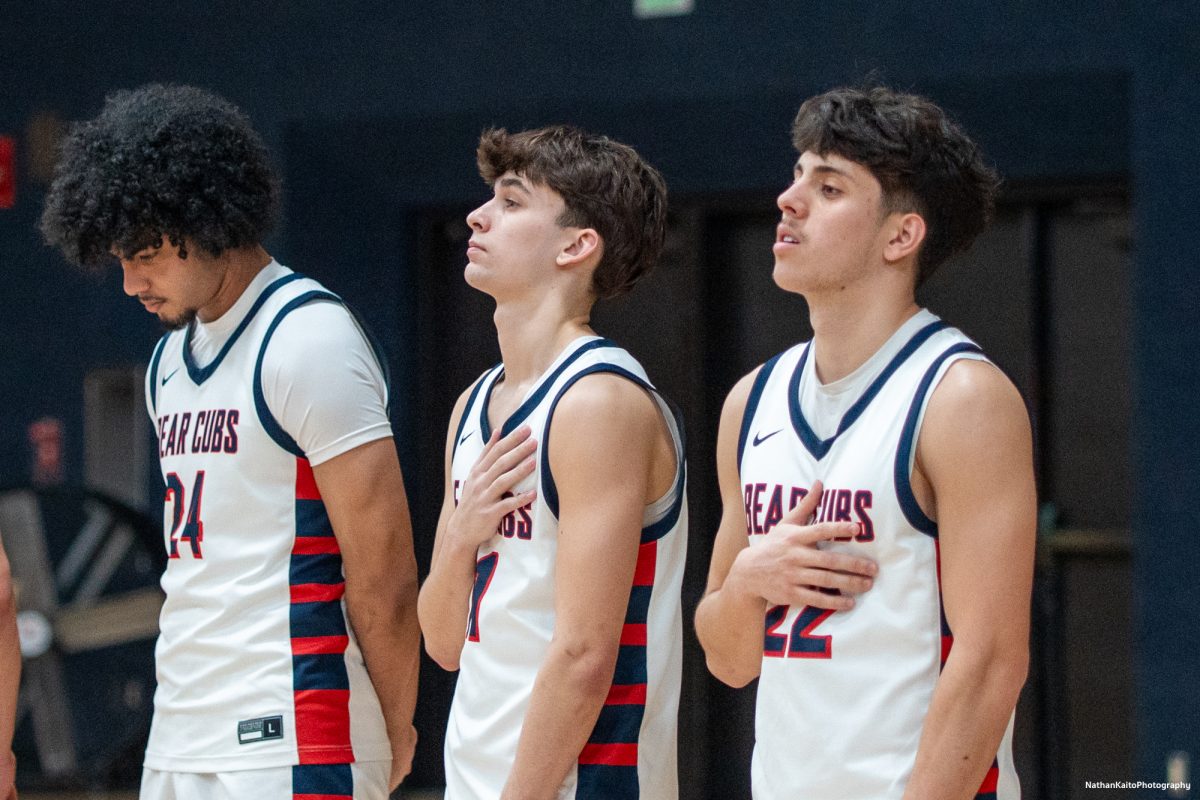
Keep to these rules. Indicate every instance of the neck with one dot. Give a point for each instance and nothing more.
(532, 334)
(850, 326)
(239, 266)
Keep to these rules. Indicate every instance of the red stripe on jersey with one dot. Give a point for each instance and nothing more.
(633, 694)
(306, 484)
(634, 633)
(643, 573)
(319, 645)
(315, 545)
(947, 643)
(610, 755)
(323, 726)
(317, 592)
(322, 797)
(989, 781)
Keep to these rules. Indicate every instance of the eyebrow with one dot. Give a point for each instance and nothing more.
(515, 183)
(824, 169)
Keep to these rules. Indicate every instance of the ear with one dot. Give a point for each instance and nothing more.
(585, 244)
(905, 234)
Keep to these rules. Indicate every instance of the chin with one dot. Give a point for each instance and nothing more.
(786, 278)
(179, 321)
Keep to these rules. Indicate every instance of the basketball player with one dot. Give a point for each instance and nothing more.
(287, 660)
(856, 466)
(10, 678)
(558, 563)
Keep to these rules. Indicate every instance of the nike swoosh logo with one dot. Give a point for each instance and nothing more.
(168, 377)
(759, 439)
(468, 436)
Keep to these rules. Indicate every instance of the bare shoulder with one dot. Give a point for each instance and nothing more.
(604, 404)
(974, 409)
(739, 395)
(973, 389)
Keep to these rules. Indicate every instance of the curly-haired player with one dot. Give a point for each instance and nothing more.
(287, 659)
(874, 562)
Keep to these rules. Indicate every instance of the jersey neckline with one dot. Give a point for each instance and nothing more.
(199, 374)
(819, 447)
(568, 356)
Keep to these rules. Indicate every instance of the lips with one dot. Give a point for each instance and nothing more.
(784, 236)
(476, 246)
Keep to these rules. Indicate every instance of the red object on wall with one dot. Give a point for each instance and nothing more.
(8, 172)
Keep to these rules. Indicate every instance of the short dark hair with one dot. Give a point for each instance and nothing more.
(604, 184)
(923, 160)
(160, 161)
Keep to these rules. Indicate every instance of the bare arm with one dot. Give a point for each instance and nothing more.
(986, 515)
(445, 598)
(784, 569)
(10, 677)
(364, 495)
(610, 453)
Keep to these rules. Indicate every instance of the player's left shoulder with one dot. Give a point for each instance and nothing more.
(605, 404)
(974, 405)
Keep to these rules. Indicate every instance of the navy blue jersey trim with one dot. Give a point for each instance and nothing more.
(462, 421)
(756, 391)
(200, 374)
(657, 529)
(269, 423)
(908, 439)
(154, 361)
(819, 447)
(539, 394)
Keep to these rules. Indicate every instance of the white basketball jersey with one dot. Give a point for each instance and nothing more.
(257, 666)
(631, 752)
(843, 695)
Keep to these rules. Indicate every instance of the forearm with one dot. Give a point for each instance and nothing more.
(568, 694)
(384, 619)
(445, 602)
(729, 625)
(971, 707)
(10, 664)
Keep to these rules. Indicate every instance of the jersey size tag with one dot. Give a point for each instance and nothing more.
(261, 729)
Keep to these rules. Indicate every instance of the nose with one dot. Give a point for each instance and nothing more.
(478, 219)
(133, 282)
(791, 200)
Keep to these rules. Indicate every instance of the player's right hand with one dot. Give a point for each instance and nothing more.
(487, 494)
(788, 568)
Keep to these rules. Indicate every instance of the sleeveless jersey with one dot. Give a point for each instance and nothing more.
(842, 696)
(257, 665)
(631, 752)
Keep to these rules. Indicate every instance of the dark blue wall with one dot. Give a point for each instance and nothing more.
(1073, 90)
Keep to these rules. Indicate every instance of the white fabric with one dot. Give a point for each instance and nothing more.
(842, 696)
(370, 781)
(242, 513)
(825, 404)
(338, 400)
(516, 621)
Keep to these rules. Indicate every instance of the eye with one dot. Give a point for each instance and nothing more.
(830, 191)
(510, 203)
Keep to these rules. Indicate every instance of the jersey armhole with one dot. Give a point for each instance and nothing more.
(752, 400)
(906, 451)
(660, 527)
(265, 417)
(153, 376)
(468, 408)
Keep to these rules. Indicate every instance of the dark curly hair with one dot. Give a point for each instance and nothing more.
(604, 184)
(160, 161)
(923, 160)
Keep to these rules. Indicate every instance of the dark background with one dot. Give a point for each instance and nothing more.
(1087, 289)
